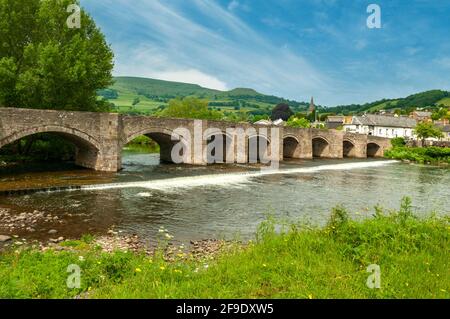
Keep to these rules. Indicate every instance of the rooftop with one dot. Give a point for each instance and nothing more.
(383, 120)
(444, 128)
(422, 113)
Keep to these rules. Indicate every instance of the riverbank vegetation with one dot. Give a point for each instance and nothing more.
(295, 261)
(43, 147)
(422, 155)
(142, 144)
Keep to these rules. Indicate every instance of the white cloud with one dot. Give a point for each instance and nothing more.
(151, 63)
(233, 5)
(237, 5)
(161, 41)
(192, 76)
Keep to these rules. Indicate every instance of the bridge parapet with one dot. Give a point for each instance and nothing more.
(100, 137)
(93, 134)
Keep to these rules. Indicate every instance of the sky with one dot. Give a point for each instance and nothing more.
(289, 48)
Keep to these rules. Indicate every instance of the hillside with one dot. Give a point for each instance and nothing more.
(141, 95)
(429, 99)
(147, 96)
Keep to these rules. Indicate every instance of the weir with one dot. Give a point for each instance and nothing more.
(220, 180)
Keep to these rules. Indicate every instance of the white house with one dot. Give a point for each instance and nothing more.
(382, 125)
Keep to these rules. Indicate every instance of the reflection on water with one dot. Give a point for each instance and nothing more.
(224, 201)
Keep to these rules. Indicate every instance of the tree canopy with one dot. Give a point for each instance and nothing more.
(298, 122)
(190, 107)
(46, 64)
(281, 111)
(426, 130)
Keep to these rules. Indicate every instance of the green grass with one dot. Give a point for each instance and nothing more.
(444, 101)
(383, 106)
(296, 262)
(434, 155)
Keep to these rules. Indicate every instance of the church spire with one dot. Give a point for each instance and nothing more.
(312, 107)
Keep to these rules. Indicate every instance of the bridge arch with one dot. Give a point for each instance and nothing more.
(88, 149)
(227, 150)
(374, 150)
(290, 146)
(349, 148)
(320, 147)
(258, 148)
(163, 137)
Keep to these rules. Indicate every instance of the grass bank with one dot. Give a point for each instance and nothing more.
(433, 155)
(294, 262)
(142, 144)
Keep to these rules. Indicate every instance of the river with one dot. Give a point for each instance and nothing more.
(218, 201)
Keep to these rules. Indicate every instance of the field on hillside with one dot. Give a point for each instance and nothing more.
(445, 101)
(139, 95)
(383, 106)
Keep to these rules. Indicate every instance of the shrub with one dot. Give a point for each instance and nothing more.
(398, 141)
(298, 123)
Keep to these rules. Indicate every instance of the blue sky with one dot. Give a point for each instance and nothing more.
(290, 48)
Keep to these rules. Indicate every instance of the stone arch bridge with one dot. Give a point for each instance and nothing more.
(100, 137)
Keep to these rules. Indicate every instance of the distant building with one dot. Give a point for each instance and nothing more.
(333, 122)
(382, 125)
(336, 121)
(446, 130)
(263, 122)
(278, 122)
(421, 116)
(442, 122)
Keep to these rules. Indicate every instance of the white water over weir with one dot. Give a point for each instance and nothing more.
(232, 179)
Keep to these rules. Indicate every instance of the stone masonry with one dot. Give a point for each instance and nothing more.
(100, 137)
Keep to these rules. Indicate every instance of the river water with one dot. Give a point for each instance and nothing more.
(220, 201)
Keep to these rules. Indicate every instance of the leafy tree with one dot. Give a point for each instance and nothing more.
(136, 101)
(398, 142)
(240, 116)
(301, 115)
(46, 64)
(190, 107)
(439, 114)
(426, 130)
(281, 111)
(257, 118)
(108, 94)
(298, 123)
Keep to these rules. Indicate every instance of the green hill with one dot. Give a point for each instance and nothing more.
(147, 96)
(141, 95)
(428, 99)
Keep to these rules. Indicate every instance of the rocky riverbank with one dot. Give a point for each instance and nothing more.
(26, 221)
(112, 241)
